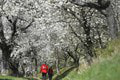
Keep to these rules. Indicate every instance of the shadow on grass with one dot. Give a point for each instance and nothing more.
(59, 77)
(31, 79)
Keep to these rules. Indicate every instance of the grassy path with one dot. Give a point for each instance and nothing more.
(17, 78)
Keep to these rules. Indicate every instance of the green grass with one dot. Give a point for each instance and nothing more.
(112, 47)
(105, 70)
(11, 78)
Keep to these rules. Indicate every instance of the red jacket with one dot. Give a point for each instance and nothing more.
(44, 68)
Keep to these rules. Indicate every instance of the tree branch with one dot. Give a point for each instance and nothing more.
(100, 5)
(76, 34)
(71, 12)
(13, 21)
(24, 29)
(14, 27)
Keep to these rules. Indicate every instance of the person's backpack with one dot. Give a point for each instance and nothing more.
(50, 71)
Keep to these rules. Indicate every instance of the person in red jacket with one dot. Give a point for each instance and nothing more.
(44, 71)
(50, 73)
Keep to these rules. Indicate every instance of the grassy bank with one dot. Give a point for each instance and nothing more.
(106, 68)
(11, 78)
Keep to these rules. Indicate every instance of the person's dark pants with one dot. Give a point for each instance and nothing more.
(50, 76)
(43, 76)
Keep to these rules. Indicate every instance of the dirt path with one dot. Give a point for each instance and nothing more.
(34, 78)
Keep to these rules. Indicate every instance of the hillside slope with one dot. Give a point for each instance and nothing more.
(106, 69)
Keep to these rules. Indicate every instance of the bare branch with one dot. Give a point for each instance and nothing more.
(77, 46)
(79, 37)
(89, 4)
(100, 5)
(71, 12)
(23, 29)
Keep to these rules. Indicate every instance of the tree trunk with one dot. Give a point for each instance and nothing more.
(99, 39)
(112, 23)
(35, 67)
(14, 68)
(7, 63)
(57, 66)
(5, 59)
(76, 62)
(65, 63)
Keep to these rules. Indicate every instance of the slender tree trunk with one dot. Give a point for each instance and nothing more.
(57, 60)
(23, 70)
(76, 62)
(99, 38)
(57, 66)
(65, 63)
(89, 59)
(36, 67)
